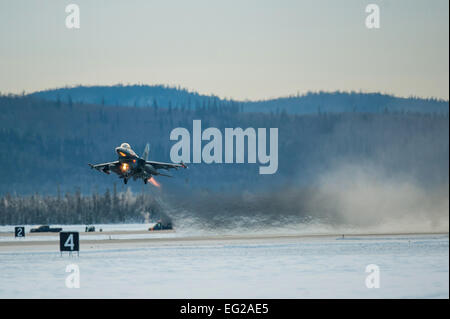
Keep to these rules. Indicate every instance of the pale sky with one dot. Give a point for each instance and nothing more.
(241, 49)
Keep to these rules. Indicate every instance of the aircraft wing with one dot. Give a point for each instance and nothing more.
(161, 165)
(103, 165)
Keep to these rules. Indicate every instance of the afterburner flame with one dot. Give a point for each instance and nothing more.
(154, 182)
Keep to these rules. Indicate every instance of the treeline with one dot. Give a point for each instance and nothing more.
(45, 144)
(76, 208)
(176, 97)
(134, 95)
(338, 102)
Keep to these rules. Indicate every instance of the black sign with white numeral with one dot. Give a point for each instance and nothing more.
(69, 241)
(19, 231)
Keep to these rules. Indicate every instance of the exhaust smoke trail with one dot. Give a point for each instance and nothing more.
(350, 198)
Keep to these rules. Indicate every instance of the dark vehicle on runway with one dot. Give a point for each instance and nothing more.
(45, 229)
(89, 229)
(161, 226)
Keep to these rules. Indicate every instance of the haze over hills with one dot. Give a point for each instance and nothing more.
(176, 97)
(340, 164)
(48, 144)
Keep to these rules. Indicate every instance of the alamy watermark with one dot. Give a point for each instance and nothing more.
(373, 19)
(73, 17)
(73, 280)
(212, 152)
(373, 279)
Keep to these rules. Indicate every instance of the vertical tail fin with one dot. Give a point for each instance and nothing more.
(146, 152)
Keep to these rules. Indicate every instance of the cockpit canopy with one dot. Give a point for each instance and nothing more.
(125, 145)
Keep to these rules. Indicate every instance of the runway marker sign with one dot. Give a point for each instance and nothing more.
(19, 231)
(69, 241)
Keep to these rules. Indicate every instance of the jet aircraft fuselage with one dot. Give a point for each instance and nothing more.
(130, 165)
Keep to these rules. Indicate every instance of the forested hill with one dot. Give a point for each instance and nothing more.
(310, 103)
(45, 146)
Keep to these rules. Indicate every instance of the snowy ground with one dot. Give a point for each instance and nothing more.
(325, 267)
(81, 228)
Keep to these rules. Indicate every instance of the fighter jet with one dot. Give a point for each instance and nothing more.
(130, 165)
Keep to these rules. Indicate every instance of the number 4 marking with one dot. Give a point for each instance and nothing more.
(69, 242)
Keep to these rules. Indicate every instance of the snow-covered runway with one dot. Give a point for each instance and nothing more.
(410, 266)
